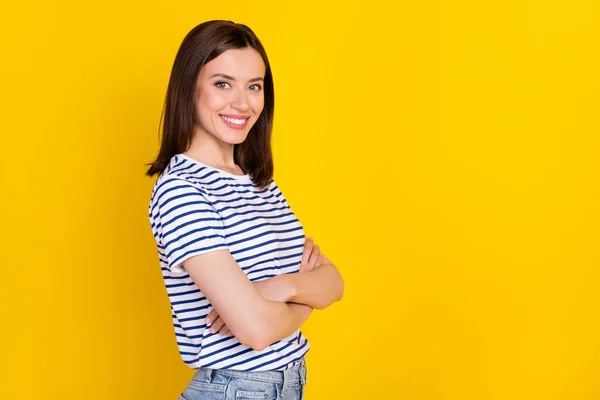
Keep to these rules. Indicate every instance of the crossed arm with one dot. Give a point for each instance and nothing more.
(261, 313)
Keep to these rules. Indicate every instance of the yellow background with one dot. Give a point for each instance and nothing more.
(444, 154)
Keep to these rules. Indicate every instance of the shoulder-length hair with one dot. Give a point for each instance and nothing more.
(201, 45)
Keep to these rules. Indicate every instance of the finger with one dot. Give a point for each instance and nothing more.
(211, 316)
(311, 262)
(225, 331)
(314, 257)
(316, 252)
(218, 324)
(308, 246)
(303, 268)
(321, 259)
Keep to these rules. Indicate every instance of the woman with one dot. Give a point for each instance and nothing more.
(240, 274)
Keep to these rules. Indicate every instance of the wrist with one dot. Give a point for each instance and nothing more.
(290, 285)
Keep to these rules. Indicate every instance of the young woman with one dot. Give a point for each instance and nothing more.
(240, 274)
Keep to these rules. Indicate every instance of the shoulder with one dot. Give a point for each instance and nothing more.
(171, 188)
(274, 188)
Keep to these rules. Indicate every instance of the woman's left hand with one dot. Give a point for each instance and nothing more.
(277, 288)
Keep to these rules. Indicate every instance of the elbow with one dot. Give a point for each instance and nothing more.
(256, 342)
(336, 293)
(259, 345)
(338, 286)
(254, 336)
(336, 296)
(339, 289)
(340, 293)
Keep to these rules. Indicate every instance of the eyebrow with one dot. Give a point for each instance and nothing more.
(231, 78)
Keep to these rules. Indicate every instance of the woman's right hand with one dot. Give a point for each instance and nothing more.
(311, 256)
(311, 259)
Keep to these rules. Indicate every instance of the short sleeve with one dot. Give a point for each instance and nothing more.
(185, 222)
(278, 194)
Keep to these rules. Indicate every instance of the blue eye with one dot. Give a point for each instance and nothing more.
(257, 87)
(219, 85)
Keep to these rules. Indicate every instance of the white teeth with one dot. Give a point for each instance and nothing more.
(234, 120)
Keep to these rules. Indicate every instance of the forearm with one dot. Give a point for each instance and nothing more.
(279, 320)
(317, 288)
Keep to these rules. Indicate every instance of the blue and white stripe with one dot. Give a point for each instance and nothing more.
(196, 209)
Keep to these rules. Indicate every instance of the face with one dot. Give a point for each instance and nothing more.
(229, 95)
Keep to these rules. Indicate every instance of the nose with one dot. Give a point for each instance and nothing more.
(239, 101)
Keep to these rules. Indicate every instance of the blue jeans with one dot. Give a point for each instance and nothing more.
(227, 384)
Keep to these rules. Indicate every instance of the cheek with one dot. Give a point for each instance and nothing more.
(211, 102)
(258, 103)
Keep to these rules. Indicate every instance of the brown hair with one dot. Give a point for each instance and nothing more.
(201, 45)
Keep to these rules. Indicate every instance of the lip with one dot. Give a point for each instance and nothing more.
(234, 126)
(235, 116)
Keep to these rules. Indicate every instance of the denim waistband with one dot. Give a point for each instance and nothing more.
(292, 375)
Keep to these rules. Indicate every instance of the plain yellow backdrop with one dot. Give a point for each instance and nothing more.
(444, 154)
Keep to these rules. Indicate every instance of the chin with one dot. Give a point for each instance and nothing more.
(234, 139)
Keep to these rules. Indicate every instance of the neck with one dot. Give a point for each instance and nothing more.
(211, 151)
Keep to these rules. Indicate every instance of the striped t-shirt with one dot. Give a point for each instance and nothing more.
(195, 209)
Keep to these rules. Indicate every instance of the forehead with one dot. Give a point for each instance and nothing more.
(241, 64)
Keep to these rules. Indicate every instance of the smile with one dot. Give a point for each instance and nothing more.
(236, 123)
